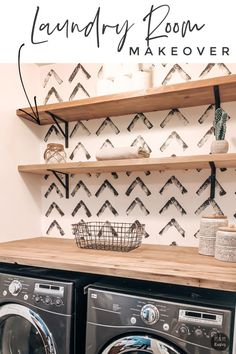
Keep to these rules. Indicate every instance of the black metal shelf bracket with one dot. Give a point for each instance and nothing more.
(64, 132)
(34, 116)
(217, 96)
(65, 183)
(212, 179)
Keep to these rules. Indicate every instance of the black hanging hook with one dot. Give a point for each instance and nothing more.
(212, 179)
(217, 97)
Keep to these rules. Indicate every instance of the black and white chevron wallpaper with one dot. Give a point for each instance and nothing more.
(170, 204)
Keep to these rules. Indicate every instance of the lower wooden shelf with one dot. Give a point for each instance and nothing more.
(166, 264)
(147, 164)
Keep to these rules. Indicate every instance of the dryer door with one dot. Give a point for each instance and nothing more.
(23, 331)
(138, 344)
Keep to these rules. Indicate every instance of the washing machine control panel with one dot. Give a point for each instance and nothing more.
(201, 326)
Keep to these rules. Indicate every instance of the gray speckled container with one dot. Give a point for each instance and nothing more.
(208, 228)
(210, 224)
(225, 248)
(207, 246)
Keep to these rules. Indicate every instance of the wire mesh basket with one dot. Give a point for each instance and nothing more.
(109, 236)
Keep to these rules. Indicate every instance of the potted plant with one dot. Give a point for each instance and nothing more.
(220, 145)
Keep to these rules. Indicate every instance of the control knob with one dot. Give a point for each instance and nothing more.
(213, 333)
(15, 287)
(37, 298)
(183, 330)
(58, 302)
(198, 332)
(149, 314)
(48, 300)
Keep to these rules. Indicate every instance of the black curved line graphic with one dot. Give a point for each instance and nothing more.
(35, 115)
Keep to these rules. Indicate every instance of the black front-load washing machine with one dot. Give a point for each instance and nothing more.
(158, 319)
(41, 311)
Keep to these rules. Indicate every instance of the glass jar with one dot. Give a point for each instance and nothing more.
(55, 153)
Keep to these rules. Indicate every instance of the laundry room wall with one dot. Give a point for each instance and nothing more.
(20, 199)
(170, 204)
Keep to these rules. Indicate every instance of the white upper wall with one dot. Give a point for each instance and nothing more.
(20, 201)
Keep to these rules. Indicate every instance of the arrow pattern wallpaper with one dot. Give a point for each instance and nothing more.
(169, 203)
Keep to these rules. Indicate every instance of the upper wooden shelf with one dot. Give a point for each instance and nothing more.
(189, 94)
(147, 164)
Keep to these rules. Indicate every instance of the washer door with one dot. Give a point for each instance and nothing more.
(140, 345)
(22, 331)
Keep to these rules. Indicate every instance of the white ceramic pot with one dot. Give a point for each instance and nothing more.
(210, 224)
(207, 246)
(208, 227)
(219, 146)
(225, 248)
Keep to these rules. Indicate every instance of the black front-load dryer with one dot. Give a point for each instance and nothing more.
(41, 311)
(159, 320)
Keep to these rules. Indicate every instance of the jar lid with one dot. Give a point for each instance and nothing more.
(214, 216)
(55, 146)
(230, 228)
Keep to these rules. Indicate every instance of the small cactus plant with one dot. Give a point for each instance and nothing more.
(219, 124)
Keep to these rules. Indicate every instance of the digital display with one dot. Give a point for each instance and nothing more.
(200, 317)
(193, 314)
(49, 289)
(42, 286)
(55, 287)
(209, 316)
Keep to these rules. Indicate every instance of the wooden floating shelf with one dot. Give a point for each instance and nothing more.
(189, 94)
(172, 265)
(147, 164)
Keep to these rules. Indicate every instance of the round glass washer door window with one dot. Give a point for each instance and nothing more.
(22, 331)
(140, 345)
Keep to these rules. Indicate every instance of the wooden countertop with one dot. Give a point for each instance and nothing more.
(176, 265)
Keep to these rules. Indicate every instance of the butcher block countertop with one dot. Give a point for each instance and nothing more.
(167, 264)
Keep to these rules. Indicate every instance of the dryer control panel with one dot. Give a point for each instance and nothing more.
(205, 327)
(50, 294)
(53, 295)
